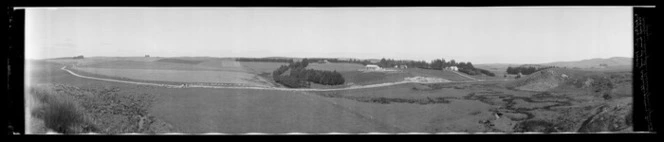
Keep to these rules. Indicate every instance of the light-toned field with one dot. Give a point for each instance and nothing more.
(262, 67)
(126, 64)
(449, 75)
(366, 78)
(185, 70)
(339, 67)
(175, 75)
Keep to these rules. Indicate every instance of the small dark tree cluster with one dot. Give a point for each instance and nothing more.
(317, 76)
(476, 71)
(300, 77)
(78, 57)
(526, 70)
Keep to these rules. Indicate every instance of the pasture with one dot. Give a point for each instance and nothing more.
(362, 78)
(262, 67)
(242, 111)
(176, 75)
(185, 70)
(339, 67)
(436, 73)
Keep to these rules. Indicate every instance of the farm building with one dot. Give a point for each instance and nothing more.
(452, 68)
(146, 55)
(400, 66)
(372, 67)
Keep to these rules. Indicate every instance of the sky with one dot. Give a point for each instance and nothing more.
(476, 34)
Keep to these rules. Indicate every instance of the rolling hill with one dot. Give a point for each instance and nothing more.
(611, 64)
(590, 63)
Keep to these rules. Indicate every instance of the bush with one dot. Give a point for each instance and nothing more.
(59, 112)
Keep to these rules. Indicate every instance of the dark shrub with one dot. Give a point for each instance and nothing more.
(59, 112)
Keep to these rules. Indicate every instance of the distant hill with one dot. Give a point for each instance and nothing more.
(548, 79)
(595, 63)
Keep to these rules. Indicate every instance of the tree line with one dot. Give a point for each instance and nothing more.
(437, 64)
(310, 60)
(299, 77)
(526, 70)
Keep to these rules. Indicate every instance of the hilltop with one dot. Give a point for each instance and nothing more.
(595, 63)
(570, 79)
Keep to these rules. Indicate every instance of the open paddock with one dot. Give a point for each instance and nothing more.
(262, 67)
(339, 67)
(176, 75)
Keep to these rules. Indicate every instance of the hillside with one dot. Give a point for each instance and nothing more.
(590, 63)
(566, 79)
(612, 64)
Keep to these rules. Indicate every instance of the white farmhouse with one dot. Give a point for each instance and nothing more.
(452, 68)
(372, 67)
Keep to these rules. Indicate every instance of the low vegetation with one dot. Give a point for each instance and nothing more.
(67, 109)
(526, 70)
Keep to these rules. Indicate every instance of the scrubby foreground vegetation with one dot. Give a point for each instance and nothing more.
(71, 110)
(552, 100)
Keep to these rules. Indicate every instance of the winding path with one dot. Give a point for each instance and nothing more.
(256, 88)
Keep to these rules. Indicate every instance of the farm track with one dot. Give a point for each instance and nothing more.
(256, 88)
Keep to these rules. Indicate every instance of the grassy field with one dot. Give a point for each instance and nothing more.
(262, 67)
(339, 67)
(126, 64)
(449, 107)
(241, 111)
(361, 78)
(176, 75)
(436, 73)
(185, 70)
(212, 65)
